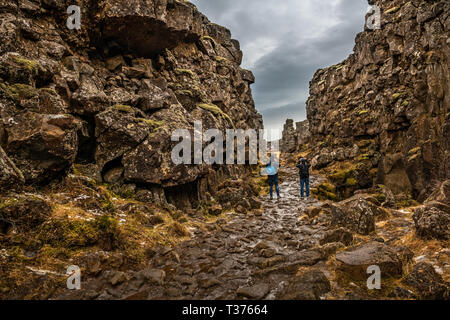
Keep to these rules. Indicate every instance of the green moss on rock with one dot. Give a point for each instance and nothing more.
(123, 108)
(392, 10)
(153, 124)
(185, 72)
(398, 95)
(31, 65)
(65, 233)
(414, 150)
(210, 39)
(215, 110)
(351, 182)
(221, 59)
(341, 176)
(21, 91)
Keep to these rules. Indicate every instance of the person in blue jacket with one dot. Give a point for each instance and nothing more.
(272, 173)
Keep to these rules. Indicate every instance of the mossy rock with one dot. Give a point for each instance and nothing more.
(8, 202)
(50, 91)
(24, 212)
(398, 95)
(380, 197)
(365, 143)
(323, 194)
(341, 176)
(19, 92)
(327, 187)
(325, 191)
(351, 182)
(414, 150)
(66, 233)
(186, 93)
(364, 157)
(185, 72)
(31, 65)
(414, 157)
(123, 108)
(215, 110)
(210, 39)
(221, 59)
(152, 123)
(392, 10)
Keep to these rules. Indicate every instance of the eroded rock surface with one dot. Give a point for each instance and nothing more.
(112, 93)
(387, 105)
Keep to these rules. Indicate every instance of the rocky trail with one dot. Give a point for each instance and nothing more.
(256, 257)
(87, 176)
(241, 256)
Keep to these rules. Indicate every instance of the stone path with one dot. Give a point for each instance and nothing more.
(249, 257)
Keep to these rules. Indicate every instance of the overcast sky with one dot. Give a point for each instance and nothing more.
(285, 42)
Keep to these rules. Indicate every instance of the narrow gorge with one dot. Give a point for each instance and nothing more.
(87, 178)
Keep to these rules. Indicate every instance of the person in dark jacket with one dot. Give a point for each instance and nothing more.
(272, 174)
(303, 166)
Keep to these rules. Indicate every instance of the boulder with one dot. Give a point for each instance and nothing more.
(311, 285)
(15, 68)
(153, 98)
(42, 146)
(168, 24)
(337, 235)
(90, 97)
(432, 223)
(23, 212)
(257, 292)
(150, 276)
(10, 176)
(427, 283)
(118, 130)
(355, 261)
(442, 194)
(356, 214)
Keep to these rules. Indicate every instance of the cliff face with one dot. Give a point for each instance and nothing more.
(386, 107)
(107, 97)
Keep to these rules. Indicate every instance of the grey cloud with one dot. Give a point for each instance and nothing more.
(285, 42)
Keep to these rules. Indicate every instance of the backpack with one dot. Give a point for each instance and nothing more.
(304, 170)
(271, 171)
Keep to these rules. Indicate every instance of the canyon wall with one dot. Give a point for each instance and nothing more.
(386, 107)
(106, 98)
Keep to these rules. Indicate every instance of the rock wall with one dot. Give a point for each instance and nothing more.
(293, 138)
(387, 104)
(107, 97)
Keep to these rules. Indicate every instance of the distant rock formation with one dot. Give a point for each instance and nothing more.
(387, 106)
(292, 137)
